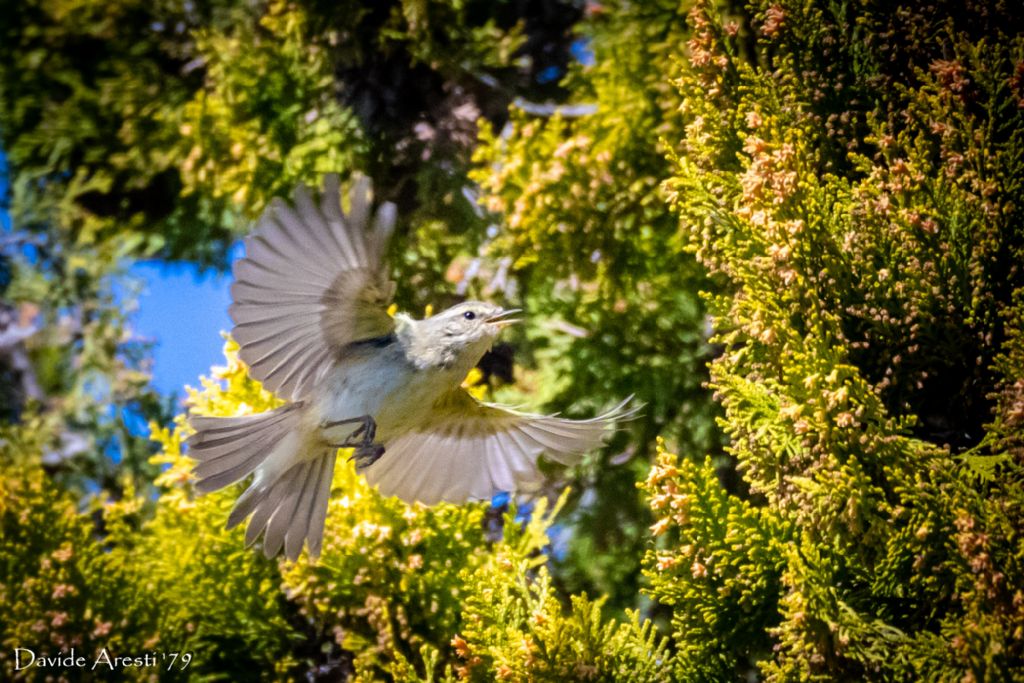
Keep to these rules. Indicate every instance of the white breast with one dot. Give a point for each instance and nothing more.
(356, 387)
(382, 384)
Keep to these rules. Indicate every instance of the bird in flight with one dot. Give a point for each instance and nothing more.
(310, 309)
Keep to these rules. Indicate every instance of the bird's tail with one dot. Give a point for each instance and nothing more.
(288, 496)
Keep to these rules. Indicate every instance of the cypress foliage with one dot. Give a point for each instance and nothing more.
(851, 176)
(793, 229)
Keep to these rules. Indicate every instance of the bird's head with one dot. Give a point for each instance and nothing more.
(460, 335)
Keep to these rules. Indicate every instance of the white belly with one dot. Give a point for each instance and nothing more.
(356, 388)
(383, 386)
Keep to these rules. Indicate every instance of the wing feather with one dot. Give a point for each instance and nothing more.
(269, 280)
(359, 211)
(312, 282)
(522, 471)
(257, 316)
(313, 219)
(294, 234)
(245, 292)
(494, 472)
(383, 227)
(428, 452)
(267, 353)
(430, 485)
(542, 438)
(470, 450)
(275, 235)
(287, 362)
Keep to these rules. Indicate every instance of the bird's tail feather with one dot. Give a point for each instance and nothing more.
(288, 496)
(288, 509)
(230, 448)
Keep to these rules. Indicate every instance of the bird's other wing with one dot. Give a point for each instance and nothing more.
(469, 450)
(311, 282)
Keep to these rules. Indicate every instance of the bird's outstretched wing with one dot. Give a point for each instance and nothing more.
(468, 450)
(312, 281)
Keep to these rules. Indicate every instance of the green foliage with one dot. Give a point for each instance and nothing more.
(196, 588)
(811, 209)
(717, 564)
(56, 588)
(158, 129)
(516, 627)
(868, 240)
(115, 577)
(589, 234)
(266, 118)
(160, 123)
(394, 585)
(613, 302)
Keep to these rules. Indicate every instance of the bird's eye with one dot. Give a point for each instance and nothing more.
(469, 315)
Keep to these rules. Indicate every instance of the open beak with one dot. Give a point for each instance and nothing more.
(502, 319)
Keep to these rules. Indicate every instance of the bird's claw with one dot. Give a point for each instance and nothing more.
(361, 439)
(366, 454)
(363, 435)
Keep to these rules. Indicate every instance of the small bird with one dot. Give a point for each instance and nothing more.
(310, 307)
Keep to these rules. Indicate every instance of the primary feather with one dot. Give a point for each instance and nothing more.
(468, 450)
(312, 281)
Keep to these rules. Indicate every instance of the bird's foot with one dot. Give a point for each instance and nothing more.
(367, 454)
(361, 439)
(363, 435)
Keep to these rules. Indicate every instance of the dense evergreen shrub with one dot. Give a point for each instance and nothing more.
(793, 229)
(851, 176)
